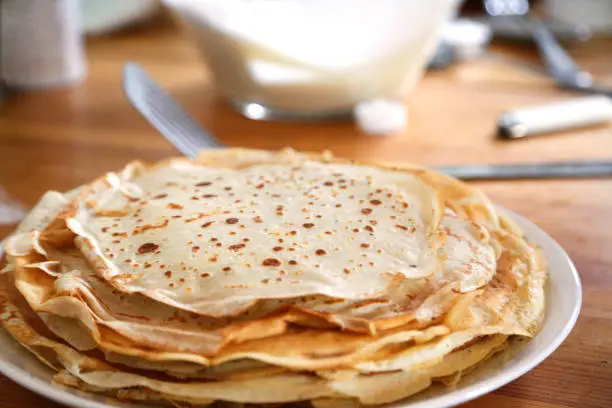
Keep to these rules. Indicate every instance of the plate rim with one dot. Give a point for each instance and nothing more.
(470, 392)
(483, 387)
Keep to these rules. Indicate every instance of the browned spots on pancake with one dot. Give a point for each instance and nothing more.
(132, 199)
(89, 204)
(174, 206)
(195, 217)
(147, 248)
(369, 302)
(271, 262)
(231, 221)
(236, 286)
(366, 211)
(159, 196)
(236, 247)
(121, 278)
(111, 213)
(203, 184)
(140, 229)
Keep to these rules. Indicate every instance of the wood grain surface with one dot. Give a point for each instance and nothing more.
(60, 139)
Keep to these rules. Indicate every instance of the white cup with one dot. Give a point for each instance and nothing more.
(596, 15)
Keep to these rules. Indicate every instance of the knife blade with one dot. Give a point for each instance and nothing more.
(569, 169)
(165, 114)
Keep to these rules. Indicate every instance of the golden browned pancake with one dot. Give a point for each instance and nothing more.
(327, 276)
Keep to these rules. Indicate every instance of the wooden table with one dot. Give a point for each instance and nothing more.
(60, 139)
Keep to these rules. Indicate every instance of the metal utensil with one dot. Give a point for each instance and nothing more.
(506, 7)
(442, 58)
(164, 113)
(566, 73)
(179, 129)
(560, 66)
(570, 169)
(506, 20)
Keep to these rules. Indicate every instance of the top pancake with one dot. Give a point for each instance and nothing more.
(215, 239)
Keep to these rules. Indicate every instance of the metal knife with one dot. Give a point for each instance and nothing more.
(160, 109)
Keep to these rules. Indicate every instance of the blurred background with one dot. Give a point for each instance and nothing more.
(438, 82)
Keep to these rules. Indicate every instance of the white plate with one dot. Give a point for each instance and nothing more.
(564, 298)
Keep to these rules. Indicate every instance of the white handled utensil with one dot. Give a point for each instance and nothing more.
(577, 112)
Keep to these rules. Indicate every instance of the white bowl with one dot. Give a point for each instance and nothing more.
(564, 299)
(316, 58)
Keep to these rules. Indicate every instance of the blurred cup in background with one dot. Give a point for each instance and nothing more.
(594, 15)
(297, 59)
(41, 44)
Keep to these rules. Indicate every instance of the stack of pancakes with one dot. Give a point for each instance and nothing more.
(268, 277)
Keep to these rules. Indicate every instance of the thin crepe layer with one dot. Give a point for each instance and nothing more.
(412, 299)
(299, 249)
(99, 376)
(484, 283)
(127, 335)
